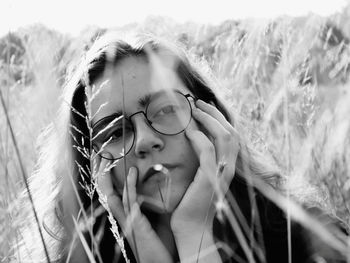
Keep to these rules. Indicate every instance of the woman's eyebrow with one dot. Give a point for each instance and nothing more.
(145, 100)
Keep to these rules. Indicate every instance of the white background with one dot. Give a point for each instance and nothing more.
(71, 16)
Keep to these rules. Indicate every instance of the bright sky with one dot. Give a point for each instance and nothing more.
(73, 15)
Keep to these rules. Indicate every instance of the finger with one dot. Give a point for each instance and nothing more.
(215, 113)
(206, 153)
(116, 206)
(204, 149)
(222, 138)
(108, 196)
(129, 193)
(140, 221)
(136, 220)
(104, 180)
(204, 181)
(96, 162)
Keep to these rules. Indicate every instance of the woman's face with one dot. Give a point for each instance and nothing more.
(174, 152)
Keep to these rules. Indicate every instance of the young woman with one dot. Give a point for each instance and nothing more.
(170, 165)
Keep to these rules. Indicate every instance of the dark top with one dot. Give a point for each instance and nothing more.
(267, 224)
(269, 228)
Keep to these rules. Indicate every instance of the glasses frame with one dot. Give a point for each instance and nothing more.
(187, 96)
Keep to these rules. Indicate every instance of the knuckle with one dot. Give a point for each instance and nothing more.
(232, 131)
(227, 136)
(209, 147)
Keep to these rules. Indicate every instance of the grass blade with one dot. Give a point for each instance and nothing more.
(24, 176)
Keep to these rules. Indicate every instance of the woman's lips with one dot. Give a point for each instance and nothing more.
(157, 172)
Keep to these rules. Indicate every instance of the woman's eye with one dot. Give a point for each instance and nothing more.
(169, 109)
(115, 134)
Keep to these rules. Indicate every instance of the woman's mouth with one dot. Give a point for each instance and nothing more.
(157, 181)
(157, 172)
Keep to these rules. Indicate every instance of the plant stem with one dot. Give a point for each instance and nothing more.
(24, 175)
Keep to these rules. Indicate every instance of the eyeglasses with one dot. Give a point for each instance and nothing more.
(167, 113)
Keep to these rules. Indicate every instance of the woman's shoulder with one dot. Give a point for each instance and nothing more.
(307, 244)
(272, 229)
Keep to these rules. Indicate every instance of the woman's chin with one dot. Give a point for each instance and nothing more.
(161, 201)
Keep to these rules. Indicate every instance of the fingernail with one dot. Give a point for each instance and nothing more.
(200, 102)
(132, 170)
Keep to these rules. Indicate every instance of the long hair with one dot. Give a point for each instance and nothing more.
(63, 175)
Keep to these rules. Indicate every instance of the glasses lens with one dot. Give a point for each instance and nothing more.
(169, 113)
(109, 141)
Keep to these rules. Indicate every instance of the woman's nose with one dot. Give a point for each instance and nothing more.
(147, 139)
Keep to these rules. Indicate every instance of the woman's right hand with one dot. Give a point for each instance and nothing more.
(144, 241)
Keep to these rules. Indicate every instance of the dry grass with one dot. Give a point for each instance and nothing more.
(288, 78)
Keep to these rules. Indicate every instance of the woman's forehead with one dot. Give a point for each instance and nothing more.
(128, 83)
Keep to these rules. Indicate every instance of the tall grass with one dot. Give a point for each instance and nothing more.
(288, 78)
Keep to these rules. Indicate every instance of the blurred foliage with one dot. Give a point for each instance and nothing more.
(288, 78)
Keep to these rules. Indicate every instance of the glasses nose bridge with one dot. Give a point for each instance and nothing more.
(145, 118)
(138, 112)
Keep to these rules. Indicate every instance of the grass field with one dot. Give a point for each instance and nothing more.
(288, 78)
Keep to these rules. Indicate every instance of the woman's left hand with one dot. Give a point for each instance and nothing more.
(138, 231)
(217, 151)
